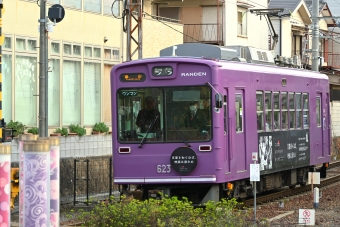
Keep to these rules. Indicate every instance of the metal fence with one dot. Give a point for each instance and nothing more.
(85, 179)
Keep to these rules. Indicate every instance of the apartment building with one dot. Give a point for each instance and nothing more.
(82, 49)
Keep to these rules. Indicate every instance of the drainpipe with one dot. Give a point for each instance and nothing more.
(280, 35)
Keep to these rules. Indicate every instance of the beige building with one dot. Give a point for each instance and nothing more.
(82, 50)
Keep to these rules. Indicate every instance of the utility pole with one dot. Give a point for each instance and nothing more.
(43, 77)
(315, 35)
(134, 5)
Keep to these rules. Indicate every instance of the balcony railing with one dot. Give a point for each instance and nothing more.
(333, 60)
(203, 33)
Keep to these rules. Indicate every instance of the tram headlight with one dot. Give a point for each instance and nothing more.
(162, 71)
(168, 71)
(157, 71)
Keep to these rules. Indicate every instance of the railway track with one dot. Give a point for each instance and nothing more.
(290, 192)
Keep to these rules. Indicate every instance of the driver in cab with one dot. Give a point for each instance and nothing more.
(195, 117)
(147, 115)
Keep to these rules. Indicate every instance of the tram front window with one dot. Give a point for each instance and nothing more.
(173, 114)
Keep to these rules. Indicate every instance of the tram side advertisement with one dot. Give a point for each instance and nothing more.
(283, 150)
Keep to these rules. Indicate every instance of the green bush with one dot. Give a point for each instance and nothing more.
(101, 127)
(78, 129)
(34, 130)
(62, 131)
(165, 212)
(18, 127)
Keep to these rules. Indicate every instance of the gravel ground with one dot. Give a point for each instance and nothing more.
(327, 213)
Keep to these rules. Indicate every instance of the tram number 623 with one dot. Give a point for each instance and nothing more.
(163, 168)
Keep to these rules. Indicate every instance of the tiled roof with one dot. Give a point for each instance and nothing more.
(288, 5)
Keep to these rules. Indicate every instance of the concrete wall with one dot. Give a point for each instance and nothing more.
(76, 146)
(335, 117)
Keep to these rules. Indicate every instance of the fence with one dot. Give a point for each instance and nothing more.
(84, 179)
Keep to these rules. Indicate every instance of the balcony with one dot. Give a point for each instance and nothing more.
(203, 33)
(333, 60)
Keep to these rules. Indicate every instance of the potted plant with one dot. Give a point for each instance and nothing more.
(99, 128)
(17, 127)
(60, 132)
(34, 130)
(80, 131)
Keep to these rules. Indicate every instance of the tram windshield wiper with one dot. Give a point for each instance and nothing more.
(179, 133)
(147, 132)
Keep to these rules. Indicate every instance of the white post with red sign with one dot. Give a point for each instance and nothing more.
(307, 216)
(254, 176)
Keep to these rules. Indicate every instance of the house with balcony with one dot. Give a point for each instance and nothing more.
(294, 27)
(214, 21)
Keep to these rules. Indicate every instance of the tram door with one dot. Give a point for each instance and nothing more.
(237, 132)
(326, 126)
(322, 124)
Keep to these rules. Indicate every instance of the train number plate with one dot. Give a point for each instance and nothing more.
(164, 168)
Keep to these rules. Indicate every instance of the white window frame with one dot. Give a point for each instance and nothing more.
(242, 26)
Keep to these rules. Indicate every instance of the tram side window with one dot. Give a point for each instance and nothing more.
(269, 113)
(318, 112)
(291, 111)
(239, 112)
(259, 110)
(305, 112)
(284, 109)
(298, 99)
(276, 110)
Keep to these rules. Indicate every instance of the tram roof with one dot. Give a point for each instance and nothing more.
(232, 65)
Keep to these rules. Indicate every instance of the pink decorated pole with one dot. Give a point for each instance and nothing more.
(5, 185)
(37, 184)
(54, 180)
(21, 139)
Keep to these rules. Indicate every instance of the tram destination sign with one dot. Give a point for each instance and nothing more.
(132, 77)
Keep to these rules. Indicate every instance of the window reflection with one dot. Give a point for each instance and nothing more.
(182, 115)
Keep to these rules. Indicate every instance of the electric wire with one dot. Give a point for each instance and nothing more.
(173, 28)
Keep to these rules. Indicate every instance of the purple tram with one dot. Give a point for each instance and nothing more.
(278, 115)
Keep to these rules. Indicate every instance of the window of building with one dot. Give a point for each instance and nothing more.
(242, 22)
(54, 92)
(55, 48)
(71, 92)
(7, 43)
(106, 90)
(96, 52)
(292, 118)
(72, 49)
(298, 100)
(88, 52)
(72, 3)
(93, 5)
(111, 54)
(111, 7)
(92, 52)
(92, 92)
(32, 45)
(277, 121)
(26, 45)
(239, 112)
(259, 110)
(318, 111)
(20, 44)
(26, 90)
(305, 104)
(269, 112)
(7, 87)
(284, 110)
